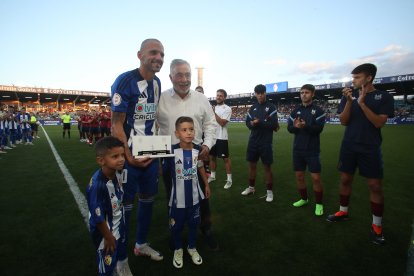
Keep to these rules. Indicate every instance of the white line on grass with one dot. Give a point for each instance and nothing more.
(73, 186)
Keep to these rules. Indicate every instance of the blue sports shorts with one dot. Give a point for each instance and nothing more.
(303, 160)
(262, 151)
(367, 158)
(141, 180)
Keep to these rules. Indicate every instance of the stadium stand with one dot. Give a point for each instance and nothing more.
(50, 103)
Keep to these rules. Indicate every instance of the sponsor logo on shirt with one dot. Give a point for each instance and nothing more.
(378, 97)
(145, 111)
(186, 174)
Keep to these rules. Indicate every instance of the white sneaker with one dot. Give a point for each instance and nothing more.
(29, 143)
(2, 151)
(228, 185)
(178, 258)
(269, 197)
(12, 146)
(122, 268)
(249, 190)
(146, 250)
(7, 148)
(211, 179)
(195, 257)
(37, 137)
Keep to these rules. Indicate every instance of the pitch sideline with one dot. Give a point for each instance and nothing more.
(73, 186)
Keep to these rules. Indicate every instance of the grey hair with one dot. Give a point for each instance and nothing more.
(176, 62)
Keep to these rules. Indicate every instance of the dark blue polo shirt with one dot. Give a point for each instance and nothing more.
(360, 129)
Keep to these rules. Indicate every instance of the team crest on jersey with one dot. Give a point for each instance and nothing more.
(313, 111)
(108, 260)
(116, 99)
(172, 222)
(378, 97)
(267, 109)
(98, 211)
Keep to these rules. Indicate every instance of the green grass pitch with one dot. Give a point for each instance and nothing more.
(43, 232)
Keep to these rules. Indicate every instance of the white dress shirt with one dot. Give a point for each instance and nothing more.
(194, 105)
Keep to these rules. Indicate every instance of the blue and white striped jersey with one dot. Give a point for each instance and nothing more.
(138, 98)
(186, 190)
(24, 119)
(104, 198)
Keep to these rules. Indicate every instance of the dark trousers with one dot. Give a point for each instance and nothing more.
(205, 212)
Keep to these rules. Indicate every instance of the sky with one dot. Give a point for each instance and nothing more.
(84, 45)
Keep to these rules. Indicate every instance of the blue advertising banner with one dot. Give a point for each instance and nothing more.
(277, 87)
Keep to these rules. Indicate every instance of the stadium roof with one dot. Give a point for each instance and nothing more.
(397, 85)
(400, 85)
(45, 95)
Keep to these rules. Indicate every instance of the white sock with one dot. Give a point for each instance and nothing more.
(213, 174)
(229, 177)
(343, 208)
(376, 220)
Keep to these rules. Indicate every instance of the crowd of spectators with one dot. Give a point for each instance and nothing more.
(48, 113)
(284, 110)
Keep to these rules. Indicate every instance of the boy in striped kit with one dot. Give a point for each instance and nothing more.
(186, 193)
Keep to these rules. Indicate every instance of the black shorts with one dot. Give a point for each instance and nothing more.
(34, 126)
(301, 160)
(367, 158)
(220, 149)
(66, 125)
(262, 151)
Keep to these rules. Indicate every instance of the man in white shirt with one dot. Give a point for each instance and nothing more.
(182, 101)
(221, 148)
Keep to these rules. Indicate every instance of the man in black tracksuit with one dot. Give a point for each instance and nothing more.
(262, 121)
(306, 122)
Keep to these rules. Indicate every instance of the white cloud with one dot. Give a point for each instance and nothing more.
(391, 60)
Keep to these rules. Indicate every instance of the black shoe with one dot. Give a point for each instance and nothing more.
(210, 240)
(338, 216)
(377, 238)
